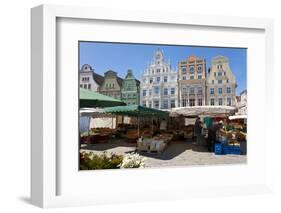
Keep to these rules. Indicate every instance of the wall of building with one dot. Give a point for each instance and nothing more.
(130, 92)
(192, 81)
(221, 83)
(159, 88)
(86, 78)
(111, 86)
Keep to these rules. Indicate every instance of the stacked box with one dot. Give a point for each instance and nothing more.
(232, 150)
(218, 149)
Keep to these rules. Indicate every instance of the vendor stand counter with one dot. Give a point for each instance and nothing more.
(156, 144)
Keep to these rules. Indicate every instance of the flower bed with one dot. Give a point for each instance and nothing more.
(91, 161)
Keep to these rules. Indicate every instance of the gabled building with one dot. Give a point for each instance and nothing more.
(159, 88)
(130, 90)
(192, 81)
(242, 103)
(88, 79)
(111, 85)
(221, 83)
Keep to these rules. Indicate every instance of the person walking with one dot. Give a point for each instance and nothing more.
(212, 135)
(198, 131)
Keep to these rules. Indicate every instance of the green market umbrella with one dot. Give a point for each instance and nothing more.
(93, 99)
(136, 111)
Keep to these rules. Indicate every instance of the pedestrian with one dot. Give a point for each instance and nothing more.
(198, 126)
(163, 125)
(212, 135)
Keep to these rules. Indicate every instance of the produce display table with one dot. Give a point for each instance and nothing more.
(151, 145)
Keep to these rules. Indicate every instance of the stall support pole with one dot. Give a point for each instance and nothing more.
(152, 124)
(138, 125)
(89, 123)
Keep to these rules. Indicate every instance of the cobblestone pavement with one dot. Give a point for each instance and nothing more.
(177, 153)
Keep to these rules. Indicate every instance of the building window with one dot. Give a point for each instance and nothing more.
(219, 73)
(85, 86)
(157, 70)
(191, 69)
(84, 79)
(199, 68)
(183, 70)
(228, 90)
(165, 91)
(156, 90)
(173, 104)
(191, 102)
(172, 91)
(184, 90)
(192, 77)
(199, 76)
(150, 104)
(89, 86)
(165, 104)
(212, 101)
(158, 79)
(220, 90)
(151, 80)
(200, 102)
(156, 104)
(149, 91)
(184, 102)
(229, 101)
(219, 81)
(215, 74)
(191, 90)
(144, 103)
(213, 82)
(220, 101)
(224, 73)
(199, 90)
(212, 91)
(165, 79)
(184, 77)
(227, 81)
(81, 85)
(144, 93)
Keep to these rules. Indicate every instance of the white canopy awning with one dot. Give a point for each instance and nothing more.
(234, 117)
(203, 110)
(94, 113)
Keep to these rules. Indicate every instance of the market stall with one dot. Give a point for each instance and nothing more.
(232, 138)
(190, 113)
(90, 107)
(146, 142)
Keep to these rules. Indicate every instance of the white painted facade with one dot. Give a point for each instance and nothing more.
(242, 104)
(87, 80)
(159, 87)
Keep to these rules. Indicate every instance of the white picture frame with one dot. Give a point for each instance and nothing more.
(44, 153)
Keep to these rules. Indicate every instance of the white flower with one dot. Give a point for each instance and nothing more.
(133, 160)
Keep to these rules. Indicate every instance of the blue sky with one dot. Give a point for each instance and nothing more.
(122, 56)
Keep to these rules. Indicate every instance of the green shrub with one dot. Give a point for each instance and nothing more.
(91, 161)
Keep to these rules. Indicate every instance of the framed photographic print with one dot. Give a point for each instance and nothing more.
(131, 106)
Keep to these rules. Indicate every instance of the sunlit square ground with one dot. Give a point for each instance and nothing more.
(177, 153)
